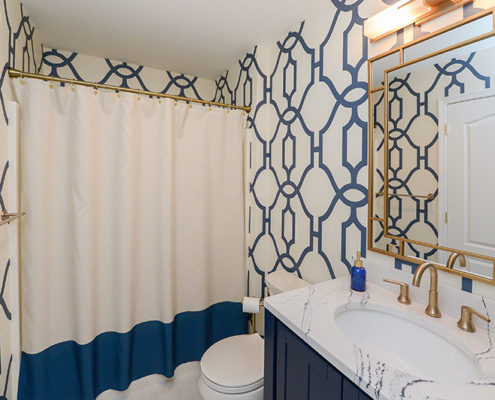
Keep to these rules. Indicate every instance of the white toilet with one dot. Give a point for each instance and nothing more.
(232, 369)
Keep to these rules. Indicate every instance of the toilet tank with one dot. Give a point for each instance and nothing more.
(278, 282)
(282, 281)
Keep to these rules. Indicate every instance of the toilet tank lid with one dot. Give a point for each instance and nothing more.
(282, 281)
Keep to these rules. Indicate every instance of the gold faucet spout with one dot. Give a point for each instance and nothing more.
(453, 258)
(432, 309)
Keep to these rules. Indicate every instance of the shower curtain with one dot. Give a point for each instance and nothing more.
(133, 241)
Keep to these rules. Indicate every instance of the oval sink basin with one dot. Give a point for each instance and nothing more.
(406, 344)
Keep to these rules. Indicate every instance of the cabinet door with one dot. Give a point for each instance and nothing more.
(301, 374)
(294, 371)
(351, 392)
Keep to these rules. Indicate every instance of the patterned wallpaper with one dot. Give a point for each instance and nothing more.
(71, 65)
(307, 150)
(19, 48)
(307, 145)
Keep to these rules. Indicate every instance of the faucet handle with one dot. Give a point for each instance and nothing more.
(466, 321)
(404, 291)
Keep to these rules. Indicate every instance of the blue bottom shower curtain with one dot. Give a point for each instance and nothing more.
(133, 240)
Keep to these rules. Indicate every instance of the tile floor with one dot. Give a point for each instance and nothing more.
(184, 386)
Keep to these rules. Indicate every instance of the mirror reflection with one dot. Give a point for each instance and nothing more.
(440, 162)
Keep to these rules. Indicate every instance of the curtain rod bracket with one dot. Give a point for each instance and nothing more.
(7, 218)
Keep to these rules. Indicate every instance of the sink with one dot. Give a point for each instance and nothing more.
(406, 344)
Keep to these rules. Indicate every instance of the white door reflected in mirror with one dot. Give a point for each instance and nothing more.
(468, 168)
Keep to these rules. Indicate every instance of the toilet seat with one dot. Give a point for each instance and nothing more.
(231, 390)
(208, 393)
(234, 365)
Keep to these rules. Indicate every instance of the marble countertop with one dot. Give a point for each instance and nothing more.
(309, 313)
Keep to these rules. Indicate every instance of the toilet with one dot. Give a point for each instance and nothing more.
(232, 369)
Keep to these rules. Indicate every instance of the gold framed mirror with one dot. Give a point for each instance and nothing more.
(429, 145)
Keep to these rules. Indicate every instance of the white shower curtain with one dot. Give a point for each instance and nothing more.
(133, 240)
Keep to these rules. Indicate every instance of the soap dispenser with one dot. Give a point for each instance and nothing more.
(358, 275)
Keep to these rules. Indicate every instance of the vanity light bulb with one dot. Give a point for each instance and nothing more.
(397, 16)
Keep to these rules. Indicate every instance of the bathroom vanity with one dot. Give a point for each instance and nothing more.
(328, 342)
(294, 371)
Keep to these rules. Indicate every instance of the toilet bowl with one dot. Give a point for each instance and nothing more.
(232, 369)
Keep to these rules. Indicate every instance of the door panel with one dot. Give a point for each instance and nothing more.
(470, 180)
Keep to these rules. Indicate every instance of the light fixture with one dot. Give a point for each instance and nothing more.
(407, 12)
(395, 17)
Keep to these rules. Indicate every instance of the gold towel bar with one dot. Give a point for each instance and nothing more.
(429, 196)
(7, 218)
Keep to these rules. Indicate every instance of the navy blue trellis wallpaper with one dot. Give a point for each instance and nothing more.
(18, 45)
(71, 65)
(308, 146)
(19, 48)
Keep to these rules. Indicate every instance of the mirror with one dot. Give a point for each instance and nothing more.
(441, 133)
(432, 168)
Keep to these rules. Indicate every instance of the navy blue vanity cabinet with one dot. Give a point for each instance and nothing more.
(294, 371)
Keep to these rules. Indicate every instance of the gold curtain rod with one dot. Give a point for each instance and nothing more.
(14, 73)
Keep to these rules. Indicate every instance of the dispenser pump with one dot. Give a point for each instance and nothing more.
(358, 274)
(358, 262)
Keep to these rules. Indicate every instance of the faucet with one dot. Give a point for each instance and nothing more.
(453, 258)
(432, 309)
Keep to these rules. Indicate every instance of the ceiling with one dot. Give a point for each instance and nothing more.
(196, 37)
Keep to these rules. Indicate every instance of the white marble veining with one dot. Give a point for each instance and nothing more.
(310, 313)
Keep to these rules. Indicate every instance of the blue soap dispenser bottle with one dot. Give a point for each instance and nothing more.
(358, 275)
